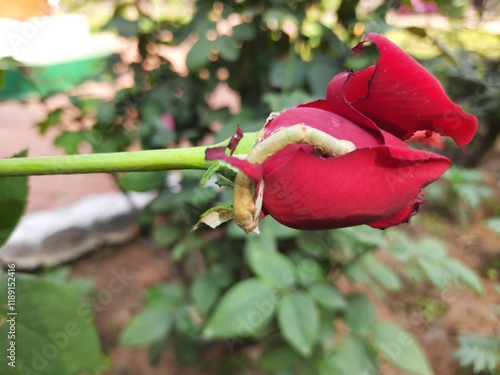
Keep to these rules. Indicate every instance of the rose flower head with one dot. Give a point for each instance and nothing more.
(342, 161)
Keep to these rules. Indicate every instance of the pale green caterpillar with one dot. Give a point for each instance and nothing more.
(246, 207)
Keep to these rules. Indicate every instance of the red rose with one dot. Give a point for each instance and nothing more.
(376, 179)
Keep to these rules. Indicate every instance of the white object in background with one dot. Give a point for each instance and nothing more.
(65, 233)
(45, 40)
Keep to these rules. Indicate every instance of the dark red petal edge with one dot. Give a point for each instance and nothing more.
(235, 140)
(358, 48)
(402, 216)
(335, 96)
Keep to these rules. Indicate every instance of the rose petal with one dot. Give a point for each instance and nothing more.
(361, 187)
(235, 140)
(400, 96)
(402, 216)
(320, 115)
(254, 171)
(358, 48)
(335, 96)
(317, 115)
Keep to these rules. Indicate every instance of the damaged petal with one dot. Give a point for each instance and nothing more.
(253, 171)
(235, 140)
(358, 48)
(400, 217)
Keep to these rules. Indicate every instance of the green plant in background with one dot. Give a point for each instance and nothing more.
(460, 193)
(288, 302)
(493, 224)
(55, 333)
(280, 293)
(480, 353)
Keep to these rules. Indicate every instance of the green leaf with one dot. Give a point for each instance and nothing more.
(185, 352)
(432, 248)
(60, 274)
(224, 181)
(106, 112)
(186, 323)
(13, 195)
(319, 73)
(402, 247)
(170, 295)
(215, 216)
(204, 292)
(355, 357)
(229, 50)
(142, 181)
(279, 359)
(82, 285)
(221, 275)
(309, 271)
(357, 272)
(199, 55)
(265, 240)
(298, 320)
(148, 327)
(180, 250)
(493, 224)
(277, 102)
(287, 75)
(54, 329)
(246, 307)
(360, 237)
(473, 194)
(209, 173)
(383, 274)
(434, 272)
(360, 313)
(123, 27)
(464, 274)
(203, 196)
(152, 325)
(327, 296)
(167, 201)
(165, 236)
(52, 119)
(157, 349)
(244, 31)
(328, 331)
(278, 230)
(272, 267)
(400, 348)
(70, 141)
(482, 353)
(85, 105)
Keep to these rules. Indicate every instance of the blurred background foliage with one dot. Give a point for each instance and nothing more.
(277, 291)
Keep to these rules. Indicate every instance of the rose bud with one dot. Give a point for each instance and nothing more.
(342, 161)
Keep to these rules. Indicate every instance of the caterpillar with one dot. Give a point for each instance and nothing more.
(248, 201)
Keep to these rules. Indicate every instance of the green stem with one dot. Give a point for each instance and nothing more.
(153, 160)
(184, 158)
